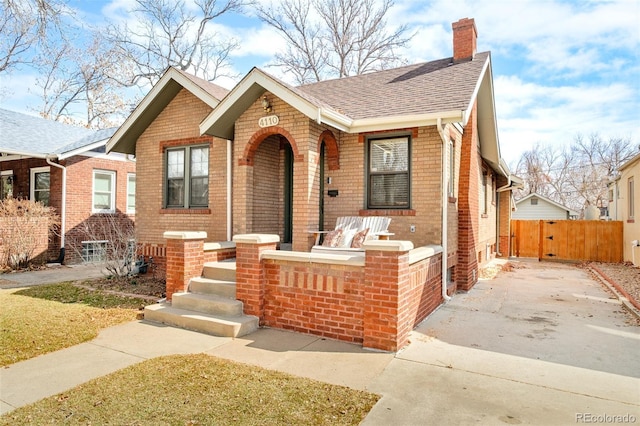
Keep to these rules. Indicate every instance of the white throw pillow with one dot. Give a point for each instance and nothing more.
(347, 237)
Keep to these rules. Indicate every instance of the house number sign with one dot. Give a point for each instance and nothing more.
(269, 120)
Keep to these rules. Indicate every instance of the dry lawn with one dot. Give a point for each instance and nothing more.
(44, 319)
(199, 390)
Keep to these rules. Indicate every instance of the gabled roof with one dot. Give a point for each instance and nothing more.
(29, 136)
(409, 96)
(548, 200)
(156, 100)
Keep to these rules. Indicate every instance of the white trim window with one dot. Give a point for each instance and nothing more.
(104, 193)
(40, 185)
(131, 193)
(6, 184)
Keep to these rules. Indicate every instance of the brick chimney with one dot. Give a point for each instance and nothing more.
(465, 35)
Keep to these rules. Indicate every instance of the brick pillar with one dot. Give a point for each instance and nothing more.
(386, 275)
(468, 206)
(185, 259)
(250, 282)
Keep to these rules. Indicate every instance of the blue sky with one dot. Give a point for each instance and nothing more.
(560, 67)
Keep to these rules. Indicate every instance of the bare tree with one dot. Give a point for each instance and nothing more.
(575, 176)
(167, 33)
(76, 80)
(23, 24)
(334, 38)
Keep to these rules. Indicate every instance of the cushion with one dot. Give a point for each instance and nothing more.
(359, 238)
(332, 238)
(346, 238)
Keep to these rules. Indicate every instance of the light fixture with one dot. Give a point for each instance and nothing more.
(265, 104)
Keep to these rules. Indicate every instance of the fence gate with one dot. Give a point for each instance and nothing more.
(573, 240)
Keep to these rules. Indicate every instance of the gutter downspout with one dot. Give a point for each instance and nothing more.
(229, 178)
(63, 207)
(445, 209)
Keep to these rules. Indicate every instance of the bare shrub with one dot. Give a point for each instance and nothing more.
(24, 229)
(112, 237)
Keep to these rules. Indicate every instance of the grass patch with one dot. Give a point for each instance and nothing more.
(199, 389)
(43, 319)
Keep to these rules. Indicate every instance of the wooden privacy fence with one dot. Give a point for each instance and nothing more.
(573, 240)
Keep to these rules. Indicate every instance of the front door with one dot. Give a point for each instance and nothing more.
(288, 194)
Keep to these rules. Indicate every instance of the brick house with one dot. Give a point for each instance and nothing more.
(418, 144)
(66, 167)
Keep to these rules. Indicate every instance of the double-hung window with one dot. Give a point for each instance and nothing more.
(388, 173)
(40, 187)
(131, 193)
(187, 177)
(104, 194)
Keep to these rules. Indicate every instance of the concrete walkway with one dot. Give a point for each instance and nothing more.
(543, 344)
(51, 274)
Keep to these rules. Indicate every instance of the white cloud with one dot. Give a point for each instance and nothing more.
(530, 113)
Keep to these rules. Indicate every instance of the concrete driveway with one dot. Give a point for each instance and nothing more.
(543, 344)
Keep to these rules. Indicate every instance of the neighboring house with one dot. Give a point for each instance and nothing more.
(624, 205)
(66, 167)
(538, 207)
(416, 143)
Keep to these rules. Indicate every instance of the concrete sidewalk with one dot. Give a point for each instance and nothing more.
(51, 274)
(543, 344)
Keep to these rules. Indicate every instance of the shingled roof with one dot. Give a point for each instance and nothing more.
(423, 88)
(26, 135)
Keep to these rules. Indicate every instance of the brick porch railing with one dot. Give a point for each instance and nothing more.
(375, 299)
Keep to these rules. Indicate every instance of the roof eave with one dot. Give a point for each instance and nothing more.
(220, 121)
(83, 149)
(40, 155)
(125, 138)
(487, 120)
(404, 121)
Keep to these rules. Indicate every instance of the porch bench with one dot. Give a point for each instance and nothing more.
(377, 228)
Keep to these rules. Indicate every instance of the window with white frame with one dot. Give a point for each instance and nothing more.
(452, 169)
(94, 251)
(104, 193)
(40, 185)
(131, 193)
(6, 184)
(187, 177)
(388, 173)
(631, 198)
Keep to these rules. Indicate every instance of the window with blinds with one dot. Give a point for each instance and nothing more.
(389, 173)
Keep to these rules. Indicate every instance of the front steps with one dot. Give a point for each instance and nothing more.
(209, 306)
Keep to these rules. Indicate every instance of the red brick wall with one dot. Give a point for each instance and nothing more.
(468, 208)
(79, 194)
(321, 299)
(80, 198)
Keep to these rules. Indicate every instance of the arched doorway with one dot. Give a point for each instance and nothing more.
(270, 183)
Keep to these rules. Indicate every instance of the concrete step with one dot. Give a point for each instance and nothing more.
(207, 303)
(217, 325)
(225, 270)
(222, 288)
